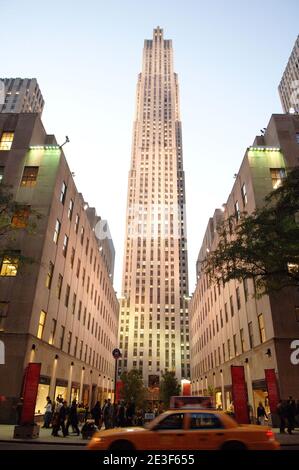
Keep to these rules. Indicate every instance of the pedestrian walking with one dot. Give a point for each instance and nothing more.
(73, 419)
(261, 414)
(121, 415)
(281, 412)
(48, 413)
(107, 414)
(290, 414)
(96, 413)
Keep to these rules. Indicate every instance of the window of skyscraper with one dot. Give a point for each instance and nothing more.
(29, 176)
(277, 176)
(9, 265)
(6, 140)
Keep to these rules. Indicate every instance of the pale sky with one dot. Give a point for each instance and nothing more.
(229, 56)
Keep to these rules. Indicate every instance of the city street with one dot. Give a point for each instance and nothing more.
(47, 442)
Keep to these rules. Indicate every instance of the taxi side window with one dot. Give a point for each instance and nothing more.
(205, 421)
(174, 421)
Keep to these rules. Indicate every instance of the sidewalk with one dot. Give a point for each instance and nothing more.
(45, 437)
(287, 439)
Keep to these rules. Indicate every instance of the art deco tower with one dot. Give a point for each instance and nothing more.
(154, 317)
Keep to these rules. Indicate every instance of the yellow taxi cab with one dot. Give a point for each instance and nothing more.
(187, 429)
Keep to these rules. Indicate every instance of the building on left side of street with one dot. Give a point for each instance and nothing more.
(60, 310)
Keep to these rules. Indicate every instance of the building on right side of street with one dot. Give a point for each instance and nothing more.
(289, 84)
(228, 325)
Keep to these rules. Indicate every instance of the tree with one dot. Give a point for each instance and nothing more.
(133, 387)
(264, 245)
(169, 387)
(15, 218)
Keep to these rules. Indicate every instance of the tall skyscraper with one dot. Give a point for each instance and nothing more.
(289, 84)
(154, 306)
(20, 95)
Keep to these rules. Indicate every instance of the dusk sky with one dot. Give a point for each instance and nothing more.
(229, 56)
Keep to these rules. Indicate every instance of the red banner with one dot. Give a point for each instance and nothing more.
(186, 389)
(239, 392)
(272, 387)
(119, 387)
(30, 387)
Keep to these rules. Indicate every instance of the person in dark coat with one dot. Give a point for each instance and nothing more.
(96, 413)
(281, 411)
(130, 413)
(261, 414)
(73, 418)
(62, 417)
(290, 412)
(108, 414)
(121, 415)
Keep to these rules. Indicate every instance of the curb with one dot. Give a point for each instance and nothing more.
(83, 444)
(19, 441)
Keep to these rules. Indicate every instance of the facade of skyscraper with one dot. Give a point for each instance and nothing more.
(289, 84)
(154, 330)
(60, 310)
(229, 325)
(20, 95)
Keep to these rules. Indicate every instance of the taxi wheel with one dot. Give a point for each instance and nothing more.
(121, 445)
(233, 445)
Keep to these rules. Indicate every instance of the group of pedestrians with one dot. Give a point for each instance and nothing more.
(110, 415)
(288, 412)
(59, 416)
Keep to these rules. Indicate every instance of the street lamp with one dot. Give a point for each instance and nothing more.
(116, 354)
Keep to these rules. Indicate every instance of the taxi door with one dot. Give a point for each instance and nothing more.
(205, 431)
(169, 434)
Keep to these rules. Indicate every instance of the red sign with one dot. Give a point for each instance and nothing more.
(272, 387)
(119, 387)
(239, 392)
(30, 387)
(186, 389)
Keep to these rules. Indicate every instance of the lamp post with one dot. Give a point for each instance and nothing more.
(116, 354)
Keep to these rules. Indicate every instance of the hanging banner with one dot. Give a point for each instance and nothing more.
(30, 387)
(186, 388)
(119, 387)
(272, 387)
(239, 393)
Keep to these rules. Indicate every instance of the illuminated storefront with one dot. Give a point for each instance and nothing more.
(61, 389)
(42, 394)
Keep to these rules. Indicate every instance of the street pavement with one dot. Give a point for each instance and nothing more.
(74, 442)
